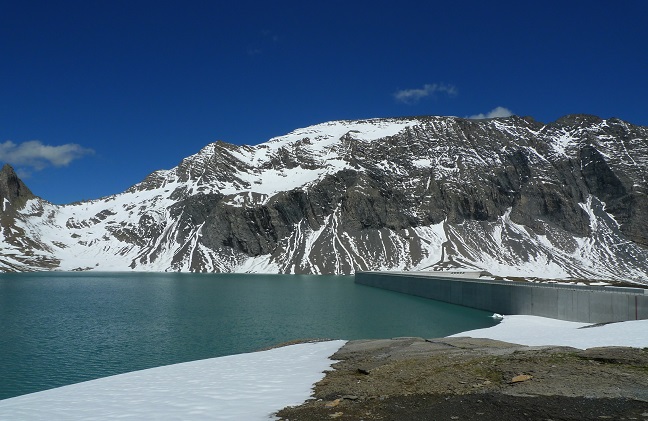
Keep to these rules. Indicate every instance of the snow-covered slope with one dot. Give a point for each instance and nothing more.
(511, 196)
(247, 387)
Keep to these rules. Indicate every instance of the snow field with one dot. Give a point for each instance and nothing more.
(237, 387)
(538, 331)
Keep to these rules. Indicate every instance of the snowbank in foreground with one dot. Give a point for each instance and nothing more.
(237, 387)
(536, 331)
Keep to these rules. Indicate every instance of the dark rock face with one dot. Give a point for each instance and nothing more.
(541, 188)
(12, 188)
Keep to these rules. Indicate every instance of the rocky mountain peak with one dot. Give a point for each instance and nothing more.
(12, 189)
(578, 120)
(512, 196)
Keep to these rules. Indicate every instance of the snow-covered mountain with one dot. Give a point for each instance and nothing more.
(509, 195)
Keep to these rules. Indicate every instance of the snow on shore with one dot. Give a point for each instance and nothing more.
(537, 331)
(253, 386)
(237, 387)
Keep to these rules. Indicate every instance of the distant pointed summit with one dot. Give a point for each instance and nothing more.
(12, 188)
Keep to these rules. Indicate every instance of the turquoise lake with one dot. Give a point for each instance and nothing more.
(61, 328)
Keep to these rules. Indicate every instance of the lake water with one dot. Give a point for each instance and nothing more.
(63, 328)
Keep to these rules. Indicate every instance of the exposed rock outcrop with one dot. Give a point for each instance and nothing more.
(13, 192)
(473, 379)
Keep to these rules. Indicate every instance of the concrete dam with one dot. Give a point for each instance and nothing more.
(577, 303)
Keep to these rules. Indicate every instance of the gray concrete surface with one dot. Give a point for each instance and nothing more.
(578, 303)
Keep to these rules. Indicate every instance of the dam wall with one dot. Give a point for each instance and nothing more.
(577, 303)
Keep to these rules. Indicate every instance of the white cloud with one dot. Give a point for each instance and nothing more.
(411, 96)
(38, 156)
(495, 112)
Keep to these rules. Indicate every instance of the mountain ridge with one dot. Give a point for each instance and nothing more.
(509, 195)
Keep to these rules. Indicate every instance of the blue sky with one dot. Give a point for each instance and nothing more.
(95, 95)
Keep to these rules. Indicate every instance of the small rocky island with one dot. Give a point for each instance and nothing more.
(478, 379)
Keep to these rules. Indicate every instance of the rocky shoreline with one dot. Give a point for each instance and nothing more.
(478, 379)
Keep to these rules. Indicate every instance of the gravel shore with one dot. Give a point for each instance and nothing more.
(478, 379)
